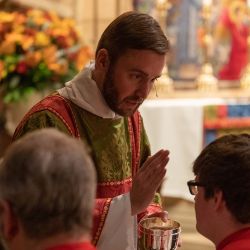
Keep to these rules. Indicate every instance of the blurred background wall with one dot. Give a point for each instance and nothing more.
(92, 16)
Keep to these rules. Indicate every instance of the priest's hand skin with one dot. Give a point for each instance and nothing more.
(163, 215)
(147, 180)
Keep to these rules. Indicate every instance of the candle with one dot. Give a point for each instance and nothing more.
(207, 3)
(161, 1)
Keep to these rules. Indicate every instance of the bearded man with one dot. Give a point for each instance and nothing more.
(99, 106)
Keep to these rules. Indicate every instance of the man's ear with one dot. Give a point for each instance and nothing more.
(102, 60)
(218, 199)
(9, 221)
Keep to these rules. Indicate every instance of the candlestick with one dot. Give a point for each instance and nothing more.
(248, 3)
(207, 3)
(206, 81)
(164, 83)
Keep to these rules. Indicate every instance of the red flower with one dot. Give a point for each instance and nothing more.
(22, 68)
(62, 42)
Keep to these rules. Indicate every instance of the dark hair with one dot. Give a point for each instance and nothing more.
(133, 30)
(225, 165)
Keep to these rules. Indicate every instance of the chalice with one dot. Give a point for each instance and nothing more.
(155, 234)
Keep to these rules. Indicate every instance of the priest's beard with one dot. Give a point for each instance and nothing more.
(110, 94)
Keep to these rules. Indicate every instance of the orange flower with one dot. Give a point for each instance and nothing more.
(59, 68)
(49, 54)
(17, 28)
(41, 39)
(6, 17)
(28, 42)
(83, 56)
(7, 47)
(33, 58)
(14, 37)
(2, 70)
(19, 18)
(58, 31)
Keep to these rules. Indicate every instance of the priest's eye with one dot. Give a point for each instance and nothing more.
(155, 80)
(135, 77)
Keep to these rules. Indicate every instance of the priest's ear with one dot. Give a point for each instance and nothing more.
(102, 60)
(9, 222)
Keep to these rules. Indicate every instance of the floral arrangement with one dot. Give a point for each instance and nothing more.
(38, 50)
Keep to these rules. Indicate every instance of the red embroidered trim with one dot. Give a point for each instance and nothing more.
(112, 183)
(139, 142)
(102, 220)
(132, 143)
(36, 109)
(57, 114)
(134, 127)
(73, 115)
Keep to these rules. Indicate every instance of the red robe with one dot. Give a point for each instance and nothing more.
(62, 109)
(236, 241)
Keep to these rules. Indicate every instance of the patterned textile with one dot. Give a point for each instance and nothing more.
(118, 147)
(224, 119)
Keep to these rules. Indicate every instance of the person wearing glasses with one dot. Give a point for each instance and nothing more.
(47, 191)
(100, 106)
(222, 192)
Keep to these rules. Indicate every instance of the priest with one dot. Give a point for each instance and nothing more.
(100, 107)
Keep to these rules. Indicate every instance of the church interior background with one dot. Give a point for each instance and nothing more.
(204, 91)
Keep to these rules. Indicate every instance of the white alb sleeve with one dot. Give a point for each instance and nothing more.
(120, 227)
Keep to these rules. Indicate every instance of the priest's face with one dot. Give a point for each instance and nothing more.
(128, 82)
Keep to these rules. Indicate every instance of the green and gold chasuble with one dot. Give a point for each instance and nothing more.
(118, 147)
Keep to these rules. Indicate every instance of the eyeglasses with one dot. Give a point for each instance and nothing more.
(193, 186)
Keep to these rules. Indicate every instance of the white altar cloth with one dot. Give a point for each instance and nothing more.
(176, 125)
